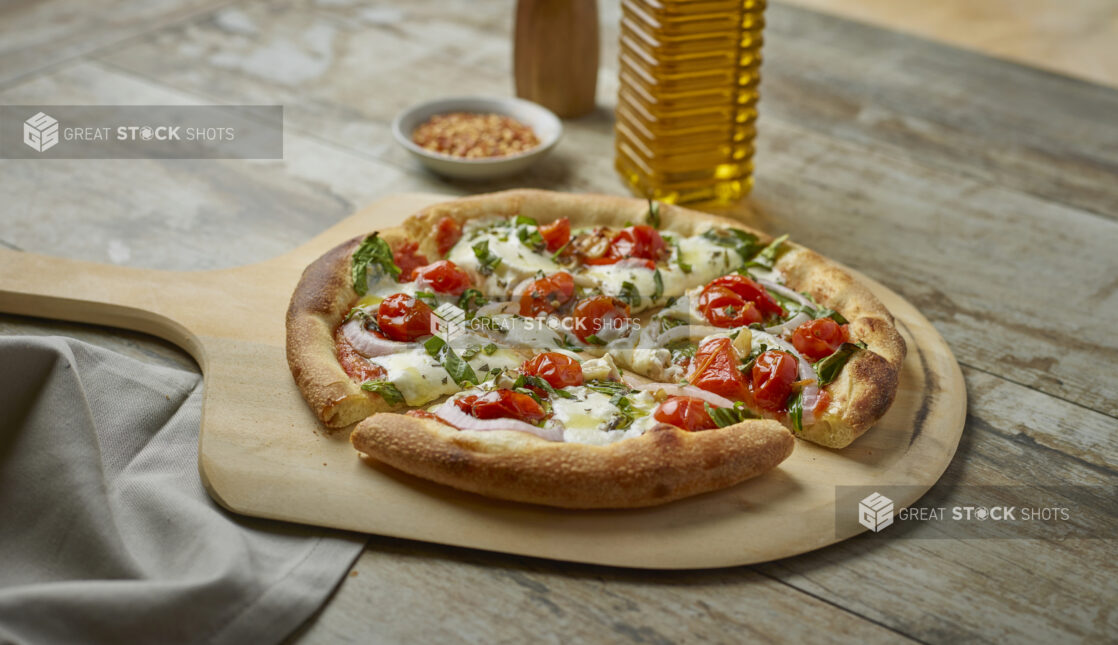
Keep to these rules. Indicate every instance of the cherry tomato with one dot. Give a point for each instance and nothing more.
(640, 241)
(408, 259)
(750, 291)
(723, 307)
(773, 375)
(556, 234)
(355, 365)
(403, 318)
(507, 404)
(818, 339)
(466, 403)
(559, 370)
(447, 233)
(546, 295)
(714, 368)
(822, 403)
(685, 412)
(592, 314)
(444, 276)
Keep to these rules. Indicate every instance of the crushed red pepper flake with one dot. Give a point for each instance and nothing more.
(475, 136)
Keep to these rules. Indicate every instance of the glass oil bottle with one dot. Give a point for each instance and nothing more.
(687, 104)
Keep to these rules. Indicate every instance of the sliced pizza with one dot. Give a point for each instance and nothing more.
(727, 339)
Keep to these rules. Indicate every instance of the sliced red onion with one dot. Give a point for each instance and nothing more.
(810, 399)
(681, 332)
(786, 292)
(790, 325)
(688, 390)
(369, 344)
(452, 415)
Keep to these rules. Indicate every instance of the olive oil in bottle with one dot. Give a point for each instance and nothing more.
(687, 105)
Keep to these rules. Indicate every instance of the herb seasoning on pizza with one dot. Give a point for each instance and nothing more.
(587, 351)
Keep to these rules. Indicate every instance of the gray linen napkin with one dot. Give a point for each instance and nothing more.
(106, 534)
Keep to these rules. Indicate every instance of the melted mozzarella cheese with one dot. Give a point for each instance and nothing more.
(586, 417)
(517, 260)
(421, 378)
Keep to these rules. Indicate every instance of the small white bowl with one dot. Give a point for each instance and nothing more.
(546, 125)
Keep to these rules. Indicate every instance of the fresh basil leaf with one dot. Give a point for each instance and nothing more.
(796, 411)
(828, 368)
(458, 369)
(485, 258)
(630, 294)
(827, 312)
(625, 413)
(470, 352)
(658, 280)
(681, 349)
(683, 266)
(723, 417)
(594, 340)
(375, 252)
(427, 298)
(559, 251)
(531, 238)
(489, 349)
(612, 388)
(527, 380)
(670, 323)
(766, 257)
(470, 300)
(746, 244)
(387, 391)
(566, 343)
(653, 213)
(522, 220)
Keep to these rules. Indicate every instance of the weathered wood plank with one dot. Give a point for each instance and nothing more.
(1041, 133)
(178, 214)
(1019, 590)
(503, 599)
(35, 34)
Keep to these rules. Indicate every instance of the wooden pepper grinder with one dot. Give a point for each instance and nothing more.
(555, 54)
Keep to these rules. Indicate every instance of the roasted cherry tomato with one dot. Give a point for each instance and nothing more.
(507, 404)
(403, 318)
(447, 233)
(685, 412)
(818, 339)
(725, 308)
(556, 234)
(750, 291)
(466, 403)
(546, 295)
(559, 370)
(357, 366)
(640, 242)
(408, 259)
(714, 368)
(444, 276)
(593, 314)
(773, 375)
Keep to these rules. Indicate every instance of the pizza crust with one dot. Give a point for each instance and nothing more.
(662, 465)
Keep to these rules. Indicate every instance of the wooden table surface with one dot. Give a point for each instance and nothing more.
(983, 191)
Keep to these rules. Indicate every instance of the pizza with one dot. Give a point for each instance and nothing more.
(587, 351)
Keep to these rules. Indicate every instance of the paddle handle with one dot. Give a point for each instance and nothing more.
(101, 294)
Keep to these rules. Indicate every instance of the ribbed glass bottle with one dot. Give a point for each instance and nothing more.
(687, 106)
